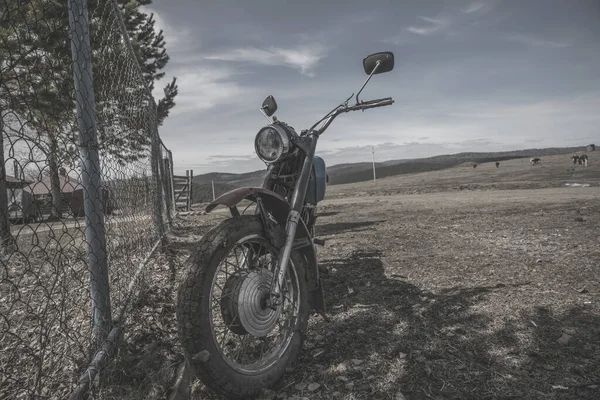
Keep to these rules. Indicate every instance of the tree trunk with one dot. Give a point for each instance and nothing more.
(7, 242)
(56, 211)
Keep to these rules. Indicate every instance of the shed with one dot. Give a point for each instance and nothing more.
(21, 204)
(71, 189)
(591, 147)
(72, 194)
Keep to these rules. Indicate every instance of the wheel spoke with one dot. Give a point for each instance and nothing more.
(249, 260)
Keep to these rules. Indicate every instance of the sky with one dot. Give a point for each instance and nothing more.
(469, 75)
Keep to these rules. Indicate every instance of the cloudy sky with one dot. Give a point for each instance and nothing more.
(482, 75)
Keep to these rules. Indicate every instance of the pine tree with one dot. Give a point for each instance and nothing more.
(36, 79)
(33, 84)
(149, 47)
(167, 102)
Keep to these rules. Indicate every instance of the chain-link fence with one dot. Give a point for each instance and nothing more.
(86, 191)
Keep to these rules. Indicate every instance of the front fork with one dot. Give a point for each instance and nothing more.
(293, 219)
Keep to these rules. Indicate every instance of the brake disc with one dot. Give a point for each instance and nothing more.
(254, 315)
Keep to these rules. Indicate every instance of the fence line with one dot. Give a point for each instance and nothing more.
(90, 198)
(107, 347)
(182, 186)
(155, 139)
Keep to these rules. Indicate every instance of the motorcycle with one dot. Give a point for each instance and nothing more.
(253, 281)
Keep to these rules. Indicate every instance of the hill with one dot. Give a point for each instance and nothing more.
(359, 172)
(362, 171)
(202, 192)
(517, 173)
(246, 179)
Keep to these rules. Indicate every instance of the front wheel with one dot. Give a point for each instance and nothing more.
(233, 341)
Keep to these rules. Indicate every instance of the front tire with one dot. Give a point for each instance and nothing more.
(219, 313)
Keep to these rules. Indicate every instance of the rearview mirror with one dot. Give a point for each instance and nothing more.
(269, 106)
(385, 59)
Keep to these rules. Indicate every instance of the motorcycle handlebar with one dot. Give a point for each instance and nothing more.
(386, 101)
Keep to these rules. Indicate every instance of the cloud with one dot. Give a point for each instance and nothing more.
(446, 19)
(175, 36)
(396, 40)
(536, 42)
(204, 87)
(473, 7)
(408, 150)
(435, 25)
(451, 90)
(304, 58)
(441, 129)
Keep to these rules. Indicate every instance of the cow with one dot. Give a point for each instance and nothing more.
(583, 160)
(535, 160)
(575, 159)
(497, 164)
(474, 165)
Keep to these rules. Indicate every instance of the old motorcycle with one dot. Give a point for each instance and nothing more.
(253, 279)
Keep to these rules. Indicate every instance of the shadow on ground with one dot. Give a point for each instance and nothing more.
(327, 213)
(388, 336)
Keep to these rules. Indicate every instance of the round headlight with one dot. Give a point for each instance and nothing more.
(272, 143)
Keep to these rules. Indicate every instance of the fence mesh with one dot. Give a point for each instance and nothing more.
(57, 234)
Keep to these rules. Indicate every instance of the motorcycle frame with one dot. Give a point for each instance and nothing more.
(308, 145)
(297, 236)
(265, 196)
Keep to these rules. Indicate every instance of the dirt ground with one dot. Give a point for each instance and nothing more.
(489, 291)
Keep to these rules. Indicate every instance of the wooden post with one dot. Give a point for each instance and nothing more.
(374, 178)
(190, 190)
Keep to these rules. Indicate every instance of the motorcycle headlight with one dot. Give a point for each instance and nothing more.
(272, 143)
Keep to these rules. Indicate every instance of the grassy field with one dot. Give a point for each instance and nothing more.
(45, 330)
(456, 284)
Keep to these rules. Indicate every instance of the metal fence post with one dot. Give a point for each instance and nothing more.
(158, 214)
(7, 242)
(161, 181)
(172, 180)
(167, 188)
(90, 164)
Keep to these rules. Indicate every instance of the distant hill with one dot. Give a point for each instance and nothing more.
(245, 179)
(202, 192)
(363, 171)
(224, 182)
(359, 172)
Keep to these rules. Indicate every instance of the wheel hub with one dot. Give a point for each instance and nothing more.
(244, 304)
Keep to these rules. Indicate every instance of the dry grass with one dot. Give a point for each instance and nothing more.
(45, 302)
(440, 295)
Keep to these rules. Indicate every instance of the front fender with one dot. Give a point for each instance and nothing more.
(233, 197)
(279, 208)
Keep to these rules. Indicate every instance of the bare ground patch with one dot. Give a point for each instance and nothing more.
(436, 296)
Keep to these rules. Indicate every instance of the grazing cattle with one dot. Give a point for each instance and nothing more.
(497, 164)
(534, 161)
(583, 160)
(575, 159)
(474, 165)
